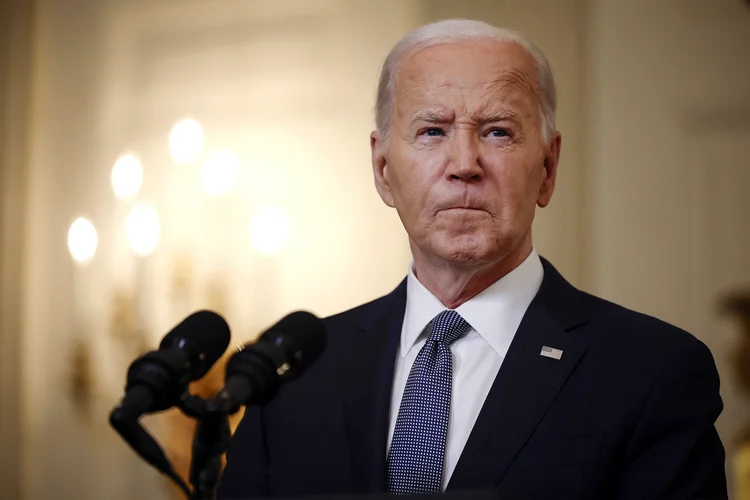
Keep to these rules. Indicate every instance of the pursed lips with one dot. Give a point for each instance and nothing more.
(459, 209)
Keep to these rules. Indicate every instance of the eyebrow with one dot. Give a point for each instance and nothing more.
(432, 117)
(442, 117)
(501, 116)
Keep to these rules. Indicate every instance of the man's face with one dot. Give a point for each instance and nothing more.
(465, 163)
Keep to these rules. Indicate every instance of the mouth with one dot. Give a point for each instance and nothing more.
(460, 209)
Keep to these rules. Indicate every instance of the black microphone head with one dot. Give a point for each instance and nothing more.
(302, 335)
(283, 352)
(205, 335)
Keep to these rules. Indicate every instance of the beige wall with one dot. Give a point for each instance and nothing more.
(15, 46)
(62, 457)
(669, 143)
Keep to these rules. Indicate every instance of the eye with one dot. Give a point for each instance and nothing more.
(498, 132)
(433, 132)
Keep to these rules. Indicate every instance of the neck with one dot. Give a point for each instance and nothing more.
(453, 283)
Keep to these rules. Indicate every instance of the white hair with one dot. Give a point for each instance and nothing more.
(461, 30)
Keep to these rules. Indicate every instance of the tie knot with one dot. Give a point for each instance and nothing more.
(447, 327)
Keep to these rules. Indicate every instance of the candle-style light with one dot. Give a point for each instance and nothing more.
(270, 230)
(219, 172)
(142, 229)
(186, 141)
(127, 176)
(82, 240)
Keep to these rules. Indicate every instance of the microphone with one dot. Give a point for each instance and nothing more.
(159, 379)
(257, 370)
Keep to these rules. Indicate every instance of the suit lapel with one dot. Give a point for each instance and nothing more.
(366, 377)
(526, 384)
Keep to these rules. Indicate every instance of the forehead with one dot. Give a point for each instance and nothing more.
(468, 77)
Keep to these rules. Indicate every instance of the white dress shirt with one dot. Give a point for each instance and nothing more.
(494, 316)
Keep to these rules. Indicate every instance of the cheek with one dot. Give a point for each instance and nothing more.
(515, 188)
(415, 181)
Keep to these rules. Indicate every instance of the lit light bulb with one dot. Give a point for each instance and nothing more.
(219, 172)
(127, 176)
(269, 230)
(186, 141)
(82, 240)
(142, 229)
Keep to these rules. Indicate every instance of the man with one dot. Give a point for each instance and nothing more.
(484, 369)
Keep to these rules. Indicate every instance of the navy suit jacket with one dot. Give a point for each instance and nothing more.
(628, 412)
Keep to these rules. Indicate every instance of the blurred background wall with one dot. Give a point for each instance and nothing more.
(15, 70)
(218, 152)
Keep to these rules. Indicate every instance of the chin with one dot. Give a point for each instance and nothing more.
(466, 251)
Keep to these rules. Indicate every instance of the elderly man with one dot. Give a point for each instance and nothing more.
(484, 368)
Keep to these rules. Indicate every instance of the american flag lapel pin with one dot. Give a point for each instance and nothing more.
(551, 352)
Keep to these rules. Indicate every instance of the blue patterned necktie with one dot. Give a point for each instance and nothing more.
(415, 459)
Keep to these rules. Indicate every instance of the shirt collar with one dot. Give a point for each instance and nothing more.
(495, 313)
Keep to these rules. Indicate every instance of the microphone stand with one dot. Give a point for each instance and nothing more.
(210, 442)
(125, 420)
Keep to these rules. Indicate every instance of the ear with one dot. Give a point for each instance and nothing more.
(550, 169)
(378, 148)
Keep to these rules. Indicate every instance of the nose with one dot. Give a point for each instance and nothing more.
(465, 161)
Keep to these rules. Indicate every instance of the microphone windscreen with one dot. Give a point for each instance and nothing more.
(304, 331)
(207, 335)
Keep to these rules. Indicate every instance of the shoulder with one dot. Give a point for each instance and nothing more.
(643, 336)
(613, 331)
(634, 360)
